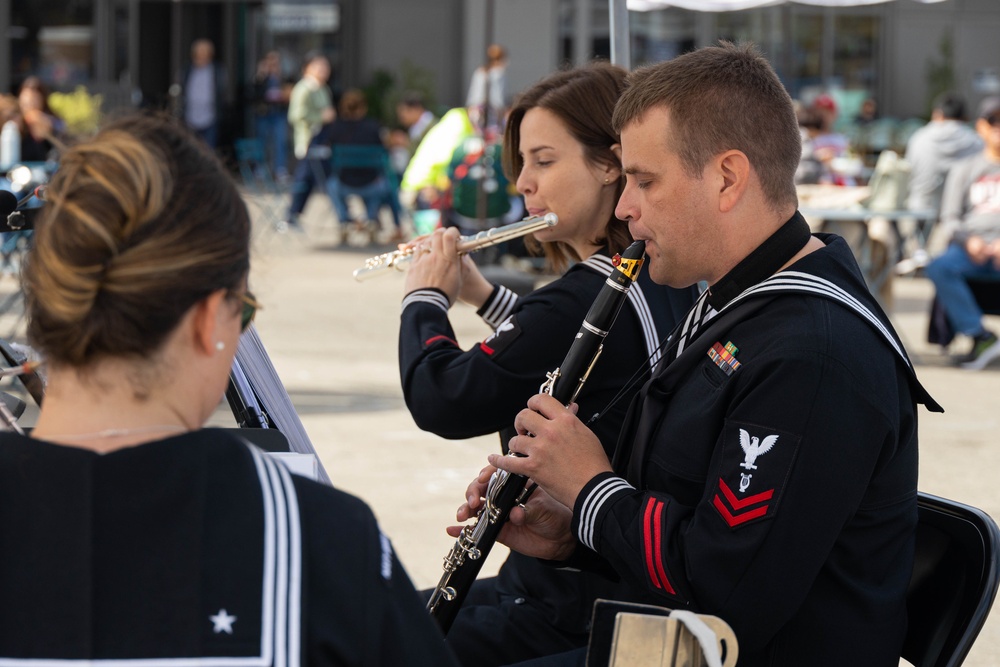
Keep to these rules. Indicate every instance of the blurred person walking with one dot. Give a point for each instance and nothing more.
(310, 107)
(271, 96)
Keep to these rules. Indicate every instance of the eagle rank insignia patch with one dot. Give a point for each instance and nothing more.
(755, 464)
(505, 334)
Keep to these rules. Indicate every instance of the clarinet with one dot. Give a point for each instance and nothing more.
(505, 490)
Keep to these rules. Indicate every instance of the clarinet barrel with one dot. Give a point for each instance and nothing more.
(505, 490)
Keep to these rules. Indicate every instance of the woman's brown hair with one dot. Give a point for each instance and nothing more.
(584, 99)
(141, 223)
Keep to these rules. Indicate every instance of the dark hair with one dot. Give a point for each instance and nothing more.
(951, 105)
(412, 98)
(142, 222)
(36, 84)
(583, 98)
(722, 98)
(353, 104)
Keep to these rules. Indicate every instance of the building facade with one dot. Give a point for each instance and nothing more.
(899, 52)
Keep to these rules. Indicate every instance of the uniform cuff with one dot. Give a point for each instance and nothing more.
(593, 502)
(498, 306)
(429, 295)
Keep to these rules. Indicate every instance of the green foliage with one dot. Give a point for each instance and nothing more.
(379, 95)
(940, 73)
(384, 92)
(80, 110)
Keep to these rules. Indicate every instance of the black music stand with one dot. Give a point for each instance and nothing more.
(268, 439)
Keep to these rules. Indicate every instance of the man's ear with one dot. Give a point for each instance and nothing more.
(205, 320)
(734, 171)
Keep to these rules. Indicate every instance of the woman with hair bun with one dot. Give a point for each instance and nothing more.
(128, 532)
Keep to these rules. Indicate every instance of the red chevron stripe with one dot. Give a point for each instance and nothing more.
(658, 546)
(646, 538)
(486, 348)
(746, 502)
(435, 339)
(737, 520)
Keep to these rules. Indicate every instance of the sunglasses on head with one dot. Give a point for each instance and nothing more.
(250, 308)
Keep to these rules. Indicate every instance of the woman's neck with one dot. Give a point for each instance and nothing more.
(104, 412)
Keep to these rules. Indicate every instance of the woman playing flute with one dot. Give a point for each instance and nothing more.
(563, 153)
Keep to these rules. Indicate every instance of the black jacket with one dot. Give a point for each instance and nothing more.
(768, 474)
(197, 546)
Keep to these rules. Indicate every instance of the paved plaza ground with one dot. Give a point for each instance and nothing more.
(333, 342)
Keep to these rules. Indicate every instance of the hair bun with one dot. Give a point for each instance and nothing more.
(142, 222)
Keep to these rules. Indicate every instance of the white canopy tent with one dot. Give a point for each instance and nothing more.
(736, 5)
(618, 13)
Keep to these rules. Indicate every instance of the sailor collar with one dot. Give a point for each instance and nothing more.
(762, 263)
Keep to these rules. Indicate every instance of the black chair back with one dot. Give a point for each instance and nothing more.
(956, 573)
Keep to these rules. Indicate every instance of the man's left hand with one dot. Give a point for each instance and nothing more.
(557, 450)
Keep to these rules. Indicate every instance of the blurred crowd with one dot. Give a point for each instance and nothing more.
(424, 167)
(39, 131)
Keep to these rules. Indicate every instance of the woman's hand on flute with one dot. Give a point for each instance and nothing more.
(540, 528)
(436, 264)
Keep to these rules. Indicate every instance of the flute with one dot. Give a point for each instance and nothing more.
(506, 490)
(400, 259)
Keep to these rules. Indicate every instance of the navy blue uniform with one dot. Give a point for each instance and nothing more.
(529, 609)
(198, 549)
(768, 474)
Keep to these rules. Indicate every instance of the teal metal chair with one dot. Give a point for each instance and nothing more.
(365, 156)
(259, 181)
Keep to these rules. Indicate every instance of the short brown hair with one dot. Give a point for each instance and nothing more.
(722, 98)
(583, 98)
(142, 222)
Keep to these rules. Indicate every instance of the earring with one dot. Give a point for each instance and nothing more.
(606, 180)
(220, 346)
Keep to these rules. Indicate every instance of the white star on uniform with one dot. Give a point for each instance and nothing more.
(223, 622)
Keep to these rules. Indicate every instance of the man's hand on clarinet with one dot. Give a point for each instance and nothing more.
(540, 528)
(556, 449)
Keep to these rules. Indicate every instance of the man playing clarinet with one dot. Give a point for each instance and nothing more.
(767, 473)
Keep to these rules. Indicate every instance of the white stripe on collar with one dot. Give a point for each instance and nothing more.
(798, 281)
